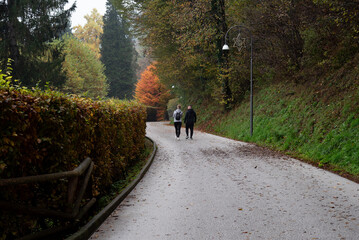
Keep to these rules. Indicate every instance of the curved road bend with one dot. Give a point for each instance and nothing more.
(217, 188)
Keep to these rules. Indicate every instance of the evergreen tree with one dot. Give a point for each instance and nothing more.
(27, 27)
(84, 71)
(117, 54)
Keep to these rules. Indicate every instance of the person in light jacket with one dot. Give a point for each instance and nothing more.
(190, 119)
(177, 119)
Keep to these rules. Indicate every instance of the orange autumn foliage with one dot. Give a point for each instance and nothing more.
(151, 92)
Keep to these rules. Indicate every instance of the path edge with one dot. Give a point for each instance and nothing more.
(86, 231)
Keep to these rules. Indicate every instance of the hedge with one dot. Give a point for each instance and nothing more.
(47, 131)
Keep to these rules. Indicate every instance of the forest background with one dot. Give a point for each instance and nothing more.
(305, 68)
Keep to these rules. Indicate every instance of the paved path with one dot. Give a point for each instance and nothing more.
(216, 188)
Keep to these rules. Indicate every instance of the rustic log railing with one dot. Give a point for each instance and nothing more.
(76, 190)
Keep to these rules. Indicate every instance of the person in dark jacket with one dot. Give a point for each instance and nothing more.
(190, 119)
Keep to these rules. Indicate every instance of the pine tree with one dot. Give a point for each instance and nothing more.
(117, 54)
(84, 71)
(27, 27)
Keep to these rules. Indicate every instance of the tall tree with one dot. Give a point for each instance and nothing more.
(118, 54)
(26, 29)
(151, 92)
(84, 71)
(186, 37)
(91, 32)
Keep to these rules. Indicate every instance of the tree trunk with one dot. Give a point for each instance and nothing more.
(219, 13)
(13, 46)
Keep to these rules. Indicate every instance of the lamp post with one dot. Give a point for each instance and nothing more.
(226, 48)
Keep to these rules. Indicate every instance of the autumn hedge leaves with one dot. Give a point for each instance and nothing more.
(47, 131)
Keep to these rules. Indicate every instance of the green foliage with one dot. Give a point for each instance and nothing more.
(295, 120)
(47, 132)
(6, 77)
(27, 28)
(90, 33)
(84, 71)
(296, 40)
(186, 40)
(118, 54)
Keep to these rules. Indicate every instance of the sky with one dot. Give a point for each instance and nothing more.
(83, 8)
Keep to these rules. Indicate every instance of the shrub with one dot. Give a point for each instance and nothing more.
(47, 131)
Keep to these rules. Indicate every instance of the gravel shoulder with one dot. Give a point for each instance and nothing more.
(216, 188)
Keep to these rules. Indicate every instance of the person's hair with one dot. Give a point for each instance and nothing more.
(179, 106)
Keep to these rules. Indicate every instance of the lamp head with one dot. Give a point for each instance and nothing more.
(225, 47)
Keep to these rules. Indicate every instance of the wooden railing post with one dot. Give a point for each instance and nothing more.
(71, 192)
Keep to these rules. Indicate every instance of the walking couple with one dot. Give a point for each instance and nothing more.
(189, 119)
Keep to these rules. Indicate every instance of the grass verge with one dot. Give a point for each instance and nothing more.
(298, 121)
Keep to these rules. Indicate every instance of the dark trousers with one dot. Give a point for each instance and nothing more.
(190, 127)
(178, 128)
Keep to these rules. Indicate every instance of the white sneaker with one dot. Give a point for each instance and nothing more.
(178, 139)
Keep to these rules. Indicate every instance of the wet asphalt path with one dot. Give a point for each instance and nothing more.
(217, 188)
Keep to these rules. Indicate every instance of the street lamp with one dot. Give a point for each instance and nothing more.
(226, 48)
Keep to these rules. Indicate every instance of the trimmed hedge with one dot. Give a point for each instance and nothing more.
(47, 132)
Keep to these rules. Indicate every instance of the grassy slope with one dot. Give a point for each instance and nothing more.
(318, 123)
